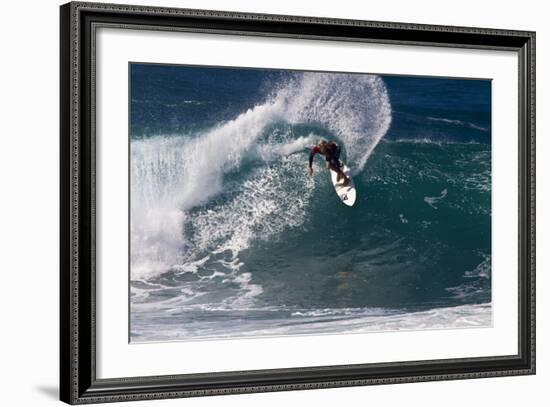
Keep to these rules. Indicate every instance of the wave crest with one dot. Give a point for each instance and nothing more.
(355, 107)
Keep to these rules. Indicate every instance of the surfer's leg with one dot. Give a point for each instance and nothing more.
(336, 166)
(341, 174)
(346, 180)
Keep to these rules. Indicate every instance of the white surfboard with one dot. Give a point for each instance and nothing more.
(347, 194)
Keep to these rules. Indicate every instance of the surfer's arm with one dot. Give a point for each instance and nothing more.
(314, 151)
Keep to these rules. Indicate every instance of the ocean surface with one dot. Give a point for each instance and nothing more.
(230, 237)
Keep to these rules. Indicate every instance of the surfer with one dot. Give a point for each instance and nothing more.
(331, 151)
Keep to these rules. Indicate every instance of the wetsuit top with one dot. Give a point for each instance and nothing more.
(332, 153)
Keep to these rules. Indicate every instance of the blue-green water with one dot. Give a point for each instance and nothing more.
(231, 237)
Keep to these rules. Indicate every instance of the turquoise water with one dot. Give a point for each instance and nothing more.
(230, 237)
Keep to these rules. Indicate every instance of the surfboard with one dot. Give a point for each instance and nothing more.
(347, 194)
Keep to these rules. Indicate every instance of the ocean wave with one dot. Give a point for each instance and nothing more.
(458, 123)
(426, 140)
(171, 176)
(193, 325)
(479, 280)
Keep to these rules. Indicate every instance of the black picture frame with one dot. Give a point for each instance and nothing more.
(78, 381)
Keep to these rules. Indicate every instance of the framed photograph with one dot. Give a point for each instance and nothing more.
(255, 203)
